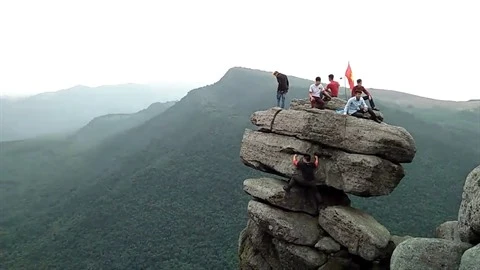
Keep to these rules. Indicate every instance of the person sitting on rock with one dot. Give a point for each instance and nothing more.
(357, 107)
(368, 95)
(307, 179)
(316, 92)
(332, 87)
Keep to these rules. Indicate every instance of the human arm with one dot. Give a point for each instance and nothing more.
(316, 161)
(310, 92)
(294, 160)
(288, 83)
(346, 106)
(325, 91)
(366, 92)
(364, 105)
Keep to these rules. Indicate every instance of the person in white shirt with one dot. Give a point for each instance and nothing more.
(315, 92)
(356, 106)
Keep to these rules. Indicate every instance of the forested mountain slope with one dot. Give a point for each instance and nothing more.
(168, 194)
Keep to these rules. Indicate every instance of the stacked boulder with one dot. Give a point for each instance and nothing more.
(457, 243)
(357, 156)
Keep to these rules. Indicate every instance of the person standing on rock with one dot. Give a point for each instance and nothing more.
(356, 106)
(368, 95)
(307, 169)
(315, 93)
(332, 87)
(282, 89)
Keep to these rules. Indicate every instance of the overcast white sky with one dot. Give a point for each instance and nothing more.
(429, 48)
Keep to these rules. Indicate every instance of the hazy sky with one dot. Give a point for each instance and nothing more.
(428, 48)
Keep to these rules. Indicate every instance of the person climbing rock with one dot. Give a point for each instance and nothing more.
(332, 87)
(368, 95)
(307, 179)
(356, 106)
(315, 93)
(282, 88)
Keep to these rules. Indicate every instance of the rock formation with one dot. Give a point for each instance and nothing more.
(286, 230)
(454, 247)
(469, 213)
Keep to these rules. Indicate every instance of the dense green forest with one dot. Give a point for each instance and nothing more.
(167, 194)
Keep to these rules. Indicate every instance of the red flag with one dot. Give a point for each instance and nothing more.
(349, 75)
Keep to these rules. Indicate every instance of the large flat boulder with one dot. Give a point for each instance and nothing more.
(334, 104)
(271, 191)
(428, 254)
(471, 259)
(361, 175)
(356, 230)
(469, 212)
(344, 132)
(292, 227)
(304, 103)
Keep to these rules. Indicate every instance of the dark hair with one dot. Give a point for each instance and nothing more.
(307, 157)
(359, 80)
(318, 79)
(330, 76)
(358, 91)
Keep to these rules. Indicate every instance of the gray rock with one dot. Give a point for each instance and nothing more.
(304, 103)
(256, 249)
(340, 131)
(343, 260)
(327, 245)
(298, 257)
(448, 231)
(271, 190)
(428, 254)
(356, 230)
(361, 175)
(469, 212)
(292, 227)
(337, 263)
(471, 259)
(399, 239)
(334, 104)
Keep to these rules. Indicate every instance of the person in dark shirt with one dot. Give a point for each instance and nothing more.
(307, 179)
(368, 96)
(282, 88)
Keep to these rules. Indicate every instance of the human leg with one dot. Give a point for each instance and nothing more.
(279, 95)
(319, 103)
(358, 114)
(372, 104)
(290, 184)
(373, 116)
(283, 100)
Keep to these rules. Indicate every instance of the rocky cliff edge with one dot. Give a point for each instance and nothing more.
(286, 230)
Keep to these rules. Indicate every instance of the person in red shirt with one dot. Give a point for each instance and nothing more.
(332, 87)
(307, 178)
(359, 87)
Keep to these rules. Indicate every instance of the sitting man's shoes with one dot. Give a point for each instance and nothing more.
(378, 121)
(375, 109)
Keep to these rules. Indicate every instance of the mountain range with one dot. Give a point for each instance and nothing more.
(164, 191)
(66, 110)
